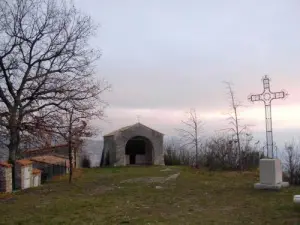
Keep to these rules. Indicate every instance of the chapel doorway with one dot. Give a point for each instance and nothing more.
(139, 151)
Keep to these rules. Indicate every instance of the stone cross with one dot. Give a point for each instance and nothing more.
(138, 118)
(267, 96)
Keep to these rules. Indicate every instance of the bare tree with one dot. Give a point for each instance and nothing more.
(75, 128)
(292, 162)
(69, 123)
(45, 61)
(234, 120)
(190, 135)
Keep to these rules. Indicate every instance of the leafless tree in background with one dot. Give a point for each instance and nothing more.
(45, 61)
(234, 120)
(71, 123)
(72, 129)
(291, 162)
(190, 135)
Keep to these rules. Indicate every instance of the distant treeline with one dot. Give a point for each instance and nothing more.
(216, 153)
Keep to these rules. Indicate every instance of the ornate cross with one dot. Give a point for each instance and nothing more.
(267, 96)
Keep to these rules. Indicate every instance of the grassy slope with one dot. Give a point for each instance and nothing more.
(196, 197)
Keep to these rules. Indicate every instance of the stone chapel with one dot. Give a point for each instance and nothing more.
(133, 145)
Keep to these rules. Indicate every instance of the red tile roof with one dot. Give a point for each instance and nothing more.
(5, 164)
(50, 159)
(24, 162)
(36, 171)
(49, 148)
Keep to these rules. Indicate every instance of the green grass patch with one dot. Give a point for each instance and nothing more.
(98, 196)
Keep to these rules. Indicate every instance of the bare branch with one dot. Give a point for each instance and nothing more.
(190, 136)
(47, 67)
(234, 120)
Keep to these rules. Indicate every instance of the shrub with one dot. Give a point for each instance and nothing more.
(216, 153)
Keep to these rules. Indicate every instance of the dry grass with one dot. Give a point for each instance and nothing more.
(196, 197)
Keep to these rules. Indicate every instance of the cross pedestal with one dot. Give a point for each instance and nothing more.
(270, 174)
(269, 169)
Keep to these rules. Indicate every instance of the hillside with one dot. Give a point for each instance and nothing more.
(112, 196)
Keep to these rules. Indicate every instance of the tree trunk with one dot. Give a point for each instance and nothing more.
(240, 152)
(196, 154)
(75, 158)
(70, 162)
(238, 138)
(70, 148)
(196, 140)
(13, 146)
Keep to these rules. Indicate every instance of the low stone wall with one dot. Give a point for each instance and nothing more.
(139, 159)
(5, 177)
(49, 170)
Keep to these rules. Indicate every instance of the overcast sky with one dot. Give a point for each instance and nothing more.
(165, 56)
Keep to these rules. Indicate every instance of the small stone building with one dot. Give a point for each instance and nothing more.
(133, 145)
(5, 177)
(50, 166)
(36, 177)
(23, 174)
(50, 154)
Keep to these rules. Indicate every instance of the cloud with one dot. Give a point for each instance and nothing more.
(163, 57)
(166, 120)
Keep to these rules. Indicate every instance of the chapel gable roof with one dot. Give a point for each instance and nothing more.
(129, 127)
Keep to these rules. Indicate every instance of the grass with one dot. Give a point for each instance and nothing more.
(197, 197)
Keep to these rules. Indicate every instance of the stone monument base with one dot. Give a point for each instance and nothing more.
(297, 199)
(271, 186)
(270, 173)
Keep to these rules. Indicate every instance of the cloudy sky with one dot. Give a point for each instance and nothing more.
(164, 57)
